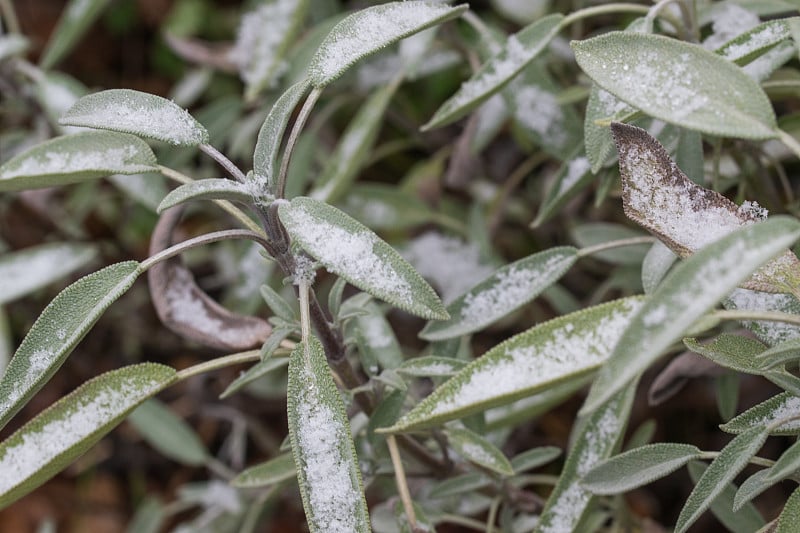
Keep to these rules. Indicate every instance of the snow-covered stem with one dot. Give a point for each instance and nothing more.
(747, 315)
(297, 127)
(789, 141)
(402, 485)
(8, 14)
(220, 362)
(633, 241)
(224, 162)
(227, 206)
(201, 240)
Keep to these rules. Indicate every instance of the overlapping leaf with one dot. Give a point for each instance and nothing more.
(207, 189)
(784, 406)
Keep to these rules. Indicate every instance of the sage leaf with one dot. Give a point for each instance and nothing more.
(731, 351)
(76, 18)
(74, 158)
(655, 266)
(323, 450)
(602, 106)
(744, 520)
(688, 292)
(57, 331)
(597, 438)
(348, 248)
(571, 178)
(730, 461)
(207, 189)
(752, 487)
(270, 136)
(683, 215)
(142, 114)
(769, 332)
(638, 467)
(745, 47)
(431, 366)
(780, 354)
(272, 472)
(542, 357)
(13, 44)
(779, 407)
(678, 82)
(381, 206)
(479, 451)
(534, 458)
(502, 293)
(149, 517)
(64, 431)
(376, 339)
(367, 31)
(587, 235)
(790, 516)
(519, 50)
(168, 433)
(260, 369)
(459, 485)
(27, 270)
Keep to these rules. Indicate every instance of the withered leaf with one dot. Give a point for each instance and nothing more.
(188, 311)
(684, 215)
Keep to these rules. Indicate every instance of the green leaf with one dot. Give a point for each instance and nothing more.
(74, 158)
(142, 114)
(431, 366)
(272, 472)
(479, 451)
(502, 293)
(596, 233)
(460, 485)
(638, 467)
(655, 266)
(265, 157)
(367, 31)
(731, 351)
(27, 270)
(168, 433)
(354, 147)
(263, 40)
(572, 177)
(770, 332)
(730, 461)
(278, 304)
(688, 292)
(12, 44)
(348, 248)
(678, 82)
(76, 18)
(754, 42)
(790, 516)
(57, 331)
(207, 189)
(149, 517)
(64, 431)
(752, 487)
(519, 50)
(381, 206)
(535, 360)
(258, 370)
(376, 339)
(534, 458)
(780, 354)
(324, 455)
(745, 520)
(602, 106)
(780, 406)
(599, 435)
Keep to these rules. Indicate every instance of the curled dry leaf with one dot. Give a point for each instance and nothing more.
(202, 53)
(188, 311)
(683, 215)
(678, 372)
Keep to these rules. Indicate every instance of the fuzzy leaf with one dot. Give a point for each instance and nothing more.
(431, 366)
(270, 136)
(324, 455)
(519, 50)
(27, 270)
(790, 516)
(460, 485)
(367, 31)
(478, 450)
(731, 351)
(769, 332)
(168, 433)
(685, 216)
(76, 18)
(540, 358)
(74, 158)
(207, 189)
(571, 178)
(744, 520)
(598, 437)
(534, 458)
(64, 431)
(138, 113)
(655, 266)
(57, 331)
(688, 292)
(780, 406)
(730, 461)
(276, 470)
(602, 105)
(752, 487)
(376, 339)
(678, 82)
(638, 467)
(780, 354)
(754, 42)
(381, 206)
(348, 248)
(502, 293)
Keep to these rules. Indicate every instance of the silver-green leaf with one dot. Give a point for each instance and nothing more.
(745, 47)
(142, 114)
(678, 82)
(324, 454)
(76, 18)
(207, 189)
(64, 431)
(780, 407)
(348, 248)
(276, 470)
(168, 433)
(367, 31)
(790, 516)
(74, 158)
(478, 450)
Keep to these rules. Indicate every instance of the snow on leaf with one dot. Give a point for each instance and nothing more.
(683, 215)
(139, 113)
(348, 248)
(771, 332)
(61, 433)
(502, 293)
(324, 454)
(678, 82)
(478, 450)
(367, 31)
(74, 158)
(539, 358)
(745, 46)
(783, 406)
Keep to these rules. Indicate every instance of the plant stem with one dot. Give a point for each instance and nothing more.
(220, 362)
(400, 479)
(741, 315)
(224, 162)
(227, 206)
(305, 323)
(617, 7)
(633, 241)
(297, 127)
(201, 240)
(790, 142)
